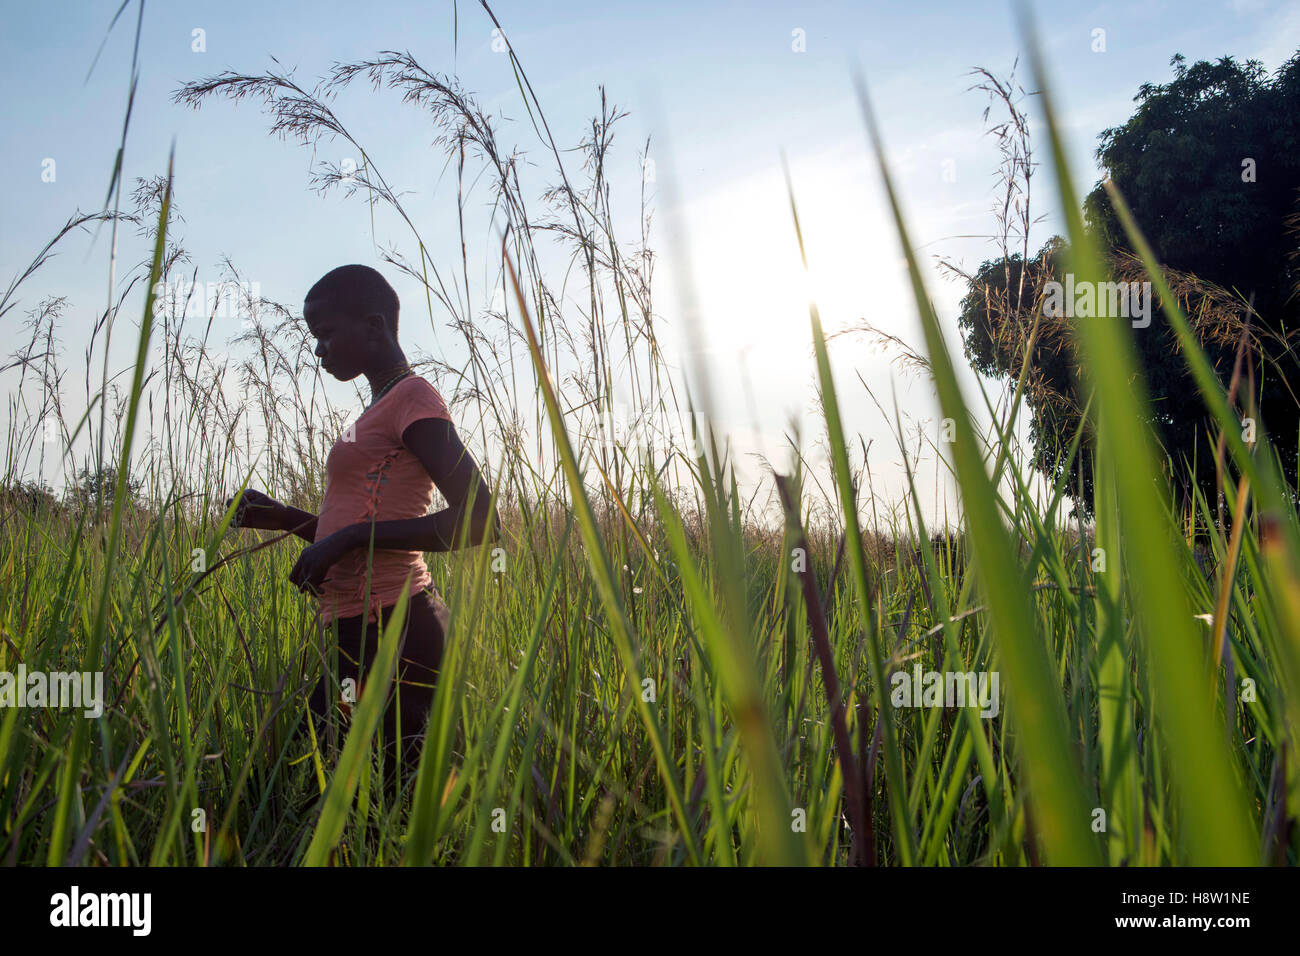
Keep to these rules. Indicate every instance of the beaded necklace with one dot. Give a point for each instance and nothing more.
(391, 382)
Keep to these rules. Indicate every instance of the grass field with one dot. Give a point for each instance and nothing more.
(643, 673)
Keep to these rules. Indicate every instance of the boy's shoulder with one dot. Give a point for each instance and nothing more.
(415, 380)
(415, 386)
(415, 396)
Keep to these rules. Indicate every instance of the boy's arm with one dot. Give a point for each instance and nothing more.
(453, 469)
(302, 523)
(261, 511)
(434, 441)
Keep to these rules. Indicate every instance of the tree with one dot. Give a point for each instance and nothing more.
(94, 490)
(1210, 164)
(33, 497)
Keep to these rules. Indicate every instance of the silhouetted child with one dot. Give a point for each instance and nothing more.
(380, 477)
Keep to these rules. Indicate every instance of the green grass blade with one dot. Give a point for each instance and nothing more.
(1215, 823)
(1034, 696)
(356, 749)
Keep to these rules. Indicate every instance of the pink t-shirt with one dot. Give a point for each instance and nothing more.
(371, 476)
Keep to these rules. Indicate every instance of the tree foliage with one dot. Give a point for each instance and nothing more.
(1210, 163)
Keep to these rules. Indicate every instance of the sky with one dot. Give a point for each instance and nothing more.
(723, 91)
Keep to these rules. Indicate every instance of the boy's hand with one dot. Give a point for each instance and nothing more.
(256, 510)
(317, 559)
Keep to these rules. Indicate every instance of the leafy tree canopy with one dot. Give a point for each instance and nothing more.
(1210, 164)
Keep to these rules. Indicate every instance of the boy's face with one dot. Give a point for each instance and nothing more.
(343, 342)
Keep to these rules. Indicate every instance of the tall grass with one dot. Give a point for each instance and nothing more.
(655, 675)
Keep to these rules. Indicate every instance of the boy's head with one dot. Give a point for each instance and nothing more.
(352, 312)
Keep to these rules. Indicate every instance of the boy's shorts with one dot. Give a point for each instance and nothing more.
(419, 658)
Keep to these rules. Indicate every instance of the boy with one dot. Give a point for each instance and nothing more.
(380, 477)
